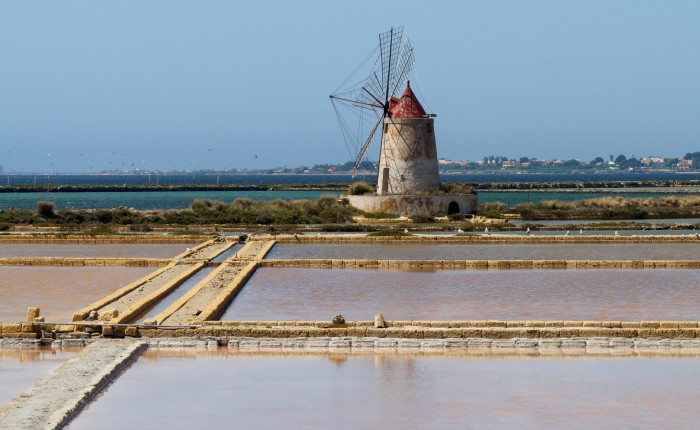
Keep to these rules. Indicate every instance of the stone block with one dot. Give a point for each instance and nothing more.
(435, 343)
(493, 323)
(382, 343)
(503, 343)
(630, 324)
(132, 332)
(33, 313)
(621, 343)
(573, 323)
(496, 333)
(28, 328)
(573, 343)
(409, 343)
(550, 343)
(312, 343)
(377, 332)
(668, 324)
(362, 343)
(688, 324)
(526, 343)
(11, 328)
(479, 343)
(649, 324)
(357, 331)
(591, 324)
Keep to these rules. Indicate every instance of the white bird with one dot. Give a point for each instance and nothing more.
(405, 230)
(486, 229)
(616, 233)
(188, 250)
(568, 232)
(527, 231)
(459, 230)
(580, 231)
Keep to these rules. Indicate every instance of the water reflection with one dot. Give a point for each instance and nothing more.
(21, 368)
(391, 391)
(319, 294)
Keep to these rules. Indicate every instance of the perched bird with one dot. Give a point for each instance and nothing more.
(405, 230)
(459, 230)
(616, 233)
(580, 231)
(486, 229)
(527, 231)
(568, 232)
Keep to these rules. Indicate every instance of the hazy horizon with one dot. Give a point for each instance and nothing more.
(171, 85)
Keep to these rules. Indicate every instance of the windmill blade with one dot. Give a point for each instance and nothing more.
(361, 154)
(372, 92)
(404, 66)
(389, 49)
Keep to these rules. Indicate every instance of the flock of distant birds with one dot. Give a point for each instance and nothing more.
(527, 232)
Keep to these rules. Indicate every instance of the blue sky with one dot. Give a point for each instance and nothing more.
(93, 85)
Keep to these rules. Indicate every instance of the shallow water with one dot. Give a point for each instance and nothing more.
(20, 369)
(662, 251)
(167, 390)
(89, 250)
(611, 294)
(59, 291)
(228, 253)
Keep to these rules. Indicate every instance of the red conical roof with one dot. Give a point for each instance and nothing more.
(407, 106)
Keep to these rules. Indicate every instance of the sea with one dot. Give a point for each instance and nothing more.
(160, 200)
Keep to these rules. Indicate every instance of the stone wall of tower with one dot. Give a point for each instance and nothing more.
(408, 157)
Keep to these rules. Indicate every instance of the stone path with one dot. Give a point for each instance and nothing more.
(58, 398)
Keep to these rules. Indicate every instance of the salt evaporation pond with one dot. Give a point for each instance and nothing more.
(287, 390)
(21, 368)
(95, 251)
(59, 291)
(610, 294)
(660, 251)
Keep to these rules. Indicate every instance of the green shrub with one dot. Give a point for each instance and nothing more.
(456, 188)
(360, 188)
(423, 219)
(45, 209)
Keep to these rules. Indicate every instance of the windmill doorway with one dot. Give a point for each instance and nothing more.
(452, 208)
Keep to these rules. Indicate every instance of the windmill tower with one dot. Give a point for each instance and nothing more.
(408, 156)
(408, 182)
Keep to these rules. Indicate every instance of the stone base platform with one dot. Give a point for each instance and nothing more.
(411, 204)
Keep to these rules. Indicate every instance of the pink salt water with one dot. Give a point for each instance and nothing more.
(166, 390)
(21, 368)
(661, 251)
(319, 294)
(59, 291)
(111, 250)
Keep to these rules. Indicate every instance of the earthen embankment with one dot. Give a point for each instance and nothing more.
(99, 239)
(479, 264)
(468, 239)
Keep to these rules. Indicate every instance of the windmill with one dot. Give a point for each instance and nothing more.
(408, 181)
(367, 102)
